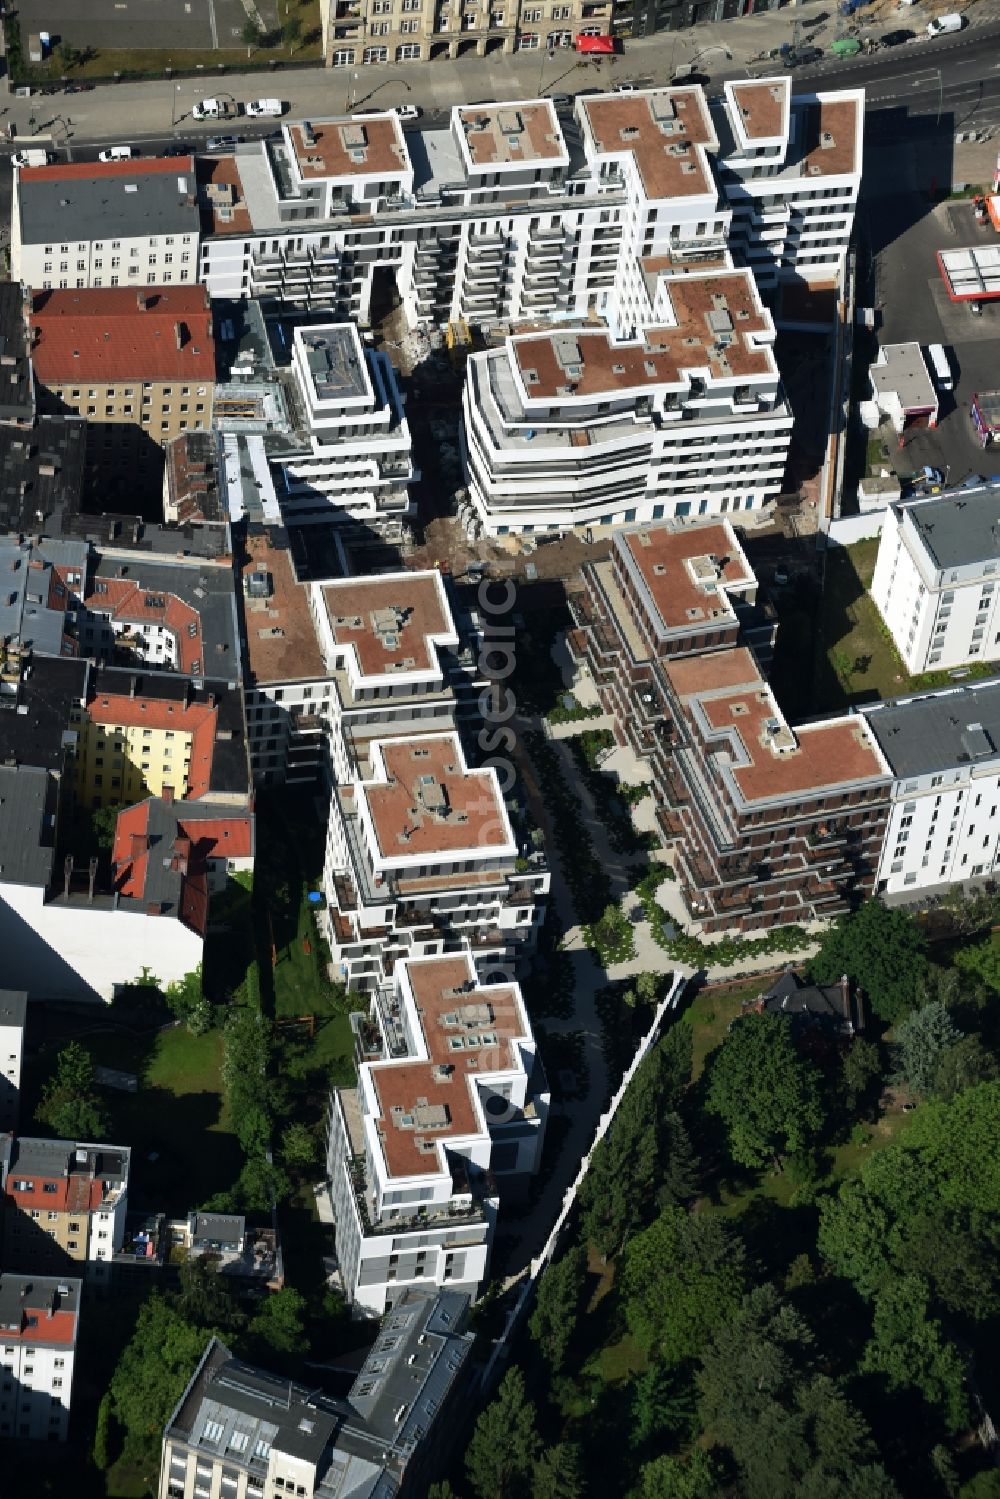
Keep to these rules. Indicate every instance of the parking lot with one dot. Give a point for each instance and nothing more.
(914, 305)
(174, 25)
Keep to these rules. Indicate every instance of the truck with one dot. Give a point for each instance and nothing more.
(940, 366)
(214, 109)
(268, 107)
(33, 157)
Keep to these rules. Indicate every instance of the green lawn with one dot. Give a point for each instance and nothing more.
(710, 1015)
(179, 1116)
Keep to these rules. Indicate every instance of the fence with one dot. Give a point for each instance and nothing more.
(847, 529)
(518, 1312)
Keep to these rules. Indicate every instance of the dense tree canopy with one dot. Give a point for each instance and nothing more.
(69, 1104)
(680, 1278)
(909, 1349)
(505, 1445)
(766, 1094)
(556, 1306)
(921, 1041)
(880, 949)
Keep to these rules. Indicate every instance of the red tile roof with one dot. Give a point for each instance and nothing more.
(128, 601)
(123, 333)
(196, 842)
(196, 719)
(82, 170)
(73, 1193)
(50, 1327)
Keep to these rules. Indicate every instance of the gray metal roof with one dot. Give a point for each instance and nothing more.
(957, 726)
(13, 1006)
(28, 800)
(32, 1156)
(41, 474)
(25, 582)
(17, 396)
(128, 204)
(959, 529)
(34, 725)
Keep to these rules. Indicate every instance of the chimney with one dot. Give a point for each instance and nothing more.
(167, 793)
(131, 687)
(179, 335)
(141, 299)
(153, 908)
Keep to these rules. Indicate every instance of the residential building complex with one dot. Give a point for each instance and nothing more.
(935, 581)
(451, 1100)
(242, 1431)
(421, 856)
(64, 1204)
(402, 31)
(767, 824)
(138, 363)
(944, 751)
(570, 428)
(17, 388)
(39, 1323)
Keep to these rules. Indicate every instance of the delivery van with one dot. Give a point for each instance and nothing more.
(942, 24)
(269, 107)
(940, 366)
(31, 158)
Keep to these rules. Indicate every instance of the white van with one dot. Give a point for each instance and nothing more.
(117, 153)
(940, 366)
(941, 24)
(269, 107)
(32, 158)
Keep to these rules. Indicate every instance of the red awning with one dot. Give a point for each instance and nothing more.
(595, 44)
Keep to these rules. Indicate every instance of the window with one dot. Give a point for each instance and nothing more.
(408, 52)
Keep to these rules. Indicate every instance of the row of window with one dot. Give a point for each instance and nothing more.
(133, 270)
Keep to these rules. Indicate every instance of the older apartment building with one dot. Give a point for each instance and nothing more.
(241, 1432)
(421, 857)
(944, 751)
(13, 1013)
(403, 31)
(450, 1101)
(573, 428)
(767, 823)
(64, 1204)
(138, 363)
(935, 581)
(39, 1324)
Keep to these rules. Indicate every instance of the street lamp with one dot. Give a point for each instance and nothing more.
(173, 106)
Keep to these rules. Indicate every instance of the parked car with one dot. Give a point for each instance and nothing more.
(256, 108)
(222, 142)
(561, 101)
(897, 38)
(803, 57)
(625, 88)
(941, 25)
(179, 150)
(117, 153)
(407, 111)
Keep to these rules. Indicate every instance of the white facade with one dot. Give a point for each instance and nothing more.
(571, 429)
(450, 1077)
(356, 465)
(78, 950)
(13, 1004)
(945, 750)
(935, 581)
(38, 1331)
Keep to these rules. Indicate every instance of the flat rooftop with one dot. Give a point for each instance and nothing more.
(41, 475)
(769, 760)
(281, 636)
(432, 804)
(336, 361)
(959, 726)
(35, 591)
(392, 623)
(89, 200)
(17, 397)
(511, 134)
(661, 128)
(681, 574)
(110, 334)
(29, 803)
(716, 316)
(763, 107)
(352, 147)
(33, 728)
(221, 198)
(469, 1031)
(958, 530)
(830, 138)
(901, 370)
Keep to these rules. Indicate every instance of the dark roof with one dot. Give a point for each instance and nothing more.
(191, 467)
(34, 727)
(41, 475)
(17, 396)
(29, 799)
(939, 730)
(959, 529)
(86, 200)
(226, 1227)
(13, 1006)
(790, 996)
(32, 599)
(32, 1156)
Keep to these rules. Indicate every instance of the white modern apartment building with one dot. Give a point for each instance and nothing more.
(13, 1012)
(935, 581)
(355, 465)
(944, 750)
(790, 168)
(450, 1101)
(39, 1322)
(421, 858)
(122, 223)
(572, 428)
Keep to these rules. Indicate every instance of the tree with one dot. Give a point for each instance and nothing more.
(442, 1490)
(298, 1146)
(202, 1296)
(853, 1236)
(766, 1094)
(151, 1374)
(680, 1278)
(252, 35)
(962, 1066)
(556, 1306)
(292, 32)
(860, 1076)
(504, 1446)
(559, 1473)
(983, 960)
(69, 55)
(280, 1323)
(618, 1192)
(678, 1163)
(921, 1040)
(69, 1104)
(260, 1185)
(663, 1406)
(909, 1350)
(694, 1477)
(985, 1485)
(103, 1429)
(882, 950)
(104, 820)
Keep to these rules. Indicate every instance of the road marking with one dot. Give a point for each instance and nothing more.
(211, 22)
